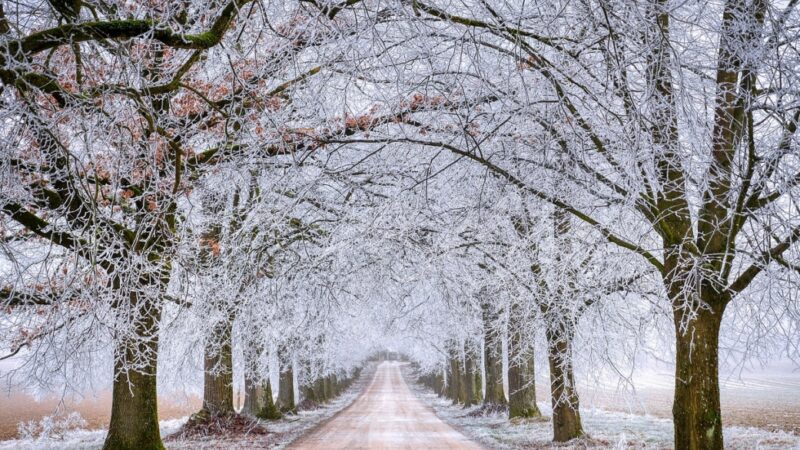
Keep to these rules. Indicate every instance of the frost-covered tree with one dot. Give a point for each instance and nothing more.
(112, 112)
(685, 164)
(101, 128)
(248, 181)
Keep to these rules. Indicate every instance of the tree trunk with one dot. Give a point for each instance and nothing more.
(438, 383)
(493, 357)
(319, 389)
(254, 395)
(305, 386)
(453, 378)
(521, 378)
(462, 386)
(309, 388)
(134, 412)
(218, 373)
(286, 402)
(269, 410)
(478, 382)
(309, 394)
(335, 385)
(564, 397)
(494, 374)
(559, 331)
(326, 386)
(468, 379)
(696, 408)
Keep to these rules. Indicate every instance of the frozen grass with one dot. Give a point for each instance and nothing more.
(77, 438)
(606, 429)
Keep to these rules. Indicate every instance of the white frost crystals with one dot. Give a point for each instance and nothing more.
(264, 194)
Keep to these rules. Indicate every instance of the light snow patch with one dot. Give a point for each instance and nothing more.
(607, 429)
(77, 438)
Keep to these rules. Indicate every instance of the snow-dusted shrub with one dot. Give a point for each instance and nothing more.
(51, 427)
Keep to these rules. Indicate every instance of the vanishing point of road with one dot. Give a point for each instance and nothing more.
(387, 415)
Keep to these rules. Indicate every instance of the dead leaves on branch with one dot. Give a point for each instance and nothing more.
(309, 138)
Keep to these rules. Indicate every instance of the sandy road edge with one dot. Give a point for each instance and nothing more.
(407, 372)
(372, 371)
(413, 389)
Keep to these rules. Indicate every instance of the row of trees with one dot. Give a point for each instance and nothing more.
(611, 113)
(553, 299)
(146, 184)
(214, 178)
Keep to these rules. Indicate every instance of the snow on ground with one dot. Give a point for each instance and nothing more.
(607, 429)
(288, 430)
(768, 399)
(78, 438)
(282, 432)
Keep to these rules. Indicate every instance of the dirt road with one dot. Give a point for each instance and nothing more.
(386, 416)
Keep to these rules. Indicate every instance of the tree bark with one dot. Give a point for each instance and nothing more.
(454, 378)
(254, 395)
(286, 401)
(462, 386)
(493, 358)
(218, 373)
(335, 388)
(319, 389)
(269, 410)
(438, 383)
(326, 386)
(564, 396)
(468, 379)
(696, 408)
(309, 388)
(478, 381)
(494, 374)
(134, 411)
(521, 378)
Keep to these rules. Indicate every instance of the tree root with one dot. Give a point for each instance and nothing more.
(204, 424)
